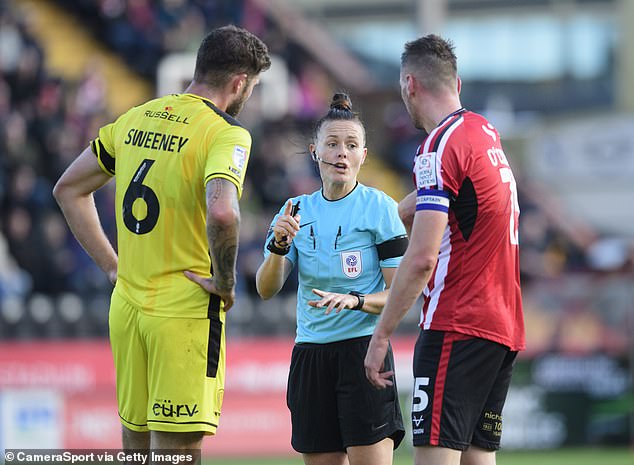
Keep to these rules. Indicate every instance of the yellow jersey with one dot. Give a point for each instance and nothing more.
(162, 154)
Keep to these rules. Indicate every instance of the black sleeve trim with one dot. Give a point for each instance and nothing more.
(223, 175)
(392, 248)
(107, 160)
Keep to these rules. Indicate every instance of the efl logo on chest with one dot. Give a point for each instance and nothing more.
(351, 263)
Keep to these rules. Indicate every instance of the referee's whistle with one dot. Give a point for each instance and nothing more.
(295, 209)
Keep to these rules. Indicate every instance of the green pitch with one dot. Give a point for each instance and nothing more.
(590, 456)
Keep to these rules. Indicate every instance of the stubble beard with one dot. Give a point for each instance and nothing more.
(235, 107)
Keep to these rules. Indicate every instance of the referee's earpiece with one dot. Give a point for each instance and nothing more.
(313, 154)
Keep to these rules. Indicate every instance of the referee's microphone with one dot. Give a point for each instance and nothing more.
(317, 158)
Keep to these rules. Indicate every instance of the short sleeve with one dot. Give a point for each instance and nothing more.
(390, 235)
(103, 148)
(228, 156)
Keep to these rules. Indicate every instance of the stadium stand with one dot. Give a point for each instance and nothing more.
(52, 102)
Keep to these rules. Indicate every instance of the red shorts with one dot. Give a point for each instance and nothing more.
(460, 385)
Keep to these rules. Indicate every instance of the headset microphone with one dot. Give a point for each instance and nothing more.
(317, 158)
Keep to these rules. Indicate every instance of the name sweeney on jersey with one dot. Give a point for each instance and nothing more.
(155, 140)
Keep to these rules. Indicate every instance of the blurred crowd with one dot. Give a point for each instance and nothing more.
(48, 285)
(143, 31)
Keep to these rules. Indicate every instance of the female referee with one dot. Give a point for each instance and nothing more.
(346, 240)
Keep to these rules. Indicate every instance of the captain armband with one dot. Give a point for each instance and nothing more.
(432, 199)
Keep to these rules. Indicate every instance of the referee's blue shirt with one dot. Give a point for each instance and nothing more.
(336, 251)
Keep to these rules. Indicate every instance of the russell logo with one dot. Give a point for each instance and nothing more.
(351, 263)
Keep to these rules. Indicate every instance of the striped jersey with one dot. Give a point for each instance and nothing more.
(162, 154)
(460, 168)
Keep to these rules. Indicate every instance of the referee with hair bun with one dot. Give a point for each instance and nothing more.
(346, 240)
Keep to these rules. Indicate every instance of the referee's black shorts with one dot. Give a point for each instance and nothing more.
(333, 406)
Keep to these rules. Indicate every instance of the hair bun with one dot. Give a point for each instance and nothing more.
(341, 101)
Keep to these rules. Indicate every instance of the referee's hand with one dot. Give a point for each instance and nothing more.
(333, 301)
(211, 286)
(373, 363)
(286, 226)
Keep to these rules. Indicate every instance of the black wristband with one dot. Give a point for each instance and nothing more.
(361, 298)
(273, 247)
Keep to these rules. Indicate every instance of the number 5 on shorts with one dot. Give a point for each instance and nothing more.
(420, 398)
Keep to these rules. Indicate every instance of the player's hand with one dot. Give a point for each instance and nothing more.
(373, 363)
(286, 226)
(211, 286)
(333, 300)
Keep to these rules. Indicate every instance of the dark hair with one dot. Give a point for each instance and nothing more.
(433, 61)
(340, 109)
(227, 51)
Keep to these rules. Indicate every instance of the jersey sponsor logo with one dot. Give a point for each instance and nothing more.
(425, 170)
(166, 409)
(167, 115)
(239, 156)
(351, 263)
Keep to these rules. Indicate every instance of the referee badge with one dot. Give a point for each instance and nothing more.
(351, 263)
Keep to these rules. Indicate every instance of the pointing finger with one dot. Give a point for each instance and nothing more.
(288, 207)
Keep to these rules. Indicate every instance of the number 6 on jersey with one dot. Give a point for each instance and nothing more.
(138, 190)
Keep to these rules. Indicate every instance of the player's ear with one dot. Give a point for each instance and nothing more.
(459, 84)
(411, 84)
(238, 82)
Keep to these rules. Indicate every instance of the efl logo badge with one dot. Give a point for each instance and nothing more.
(425, 170)
(351, 263)
(239, 156)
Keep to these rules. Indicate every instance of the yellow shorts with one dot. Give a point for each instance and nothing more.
(170, 371)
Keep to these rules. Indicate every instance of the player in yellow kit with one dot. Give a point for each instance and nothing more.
(179, 163)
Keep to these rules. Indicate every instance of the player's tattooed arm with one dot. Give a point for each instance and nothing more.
(223, 226)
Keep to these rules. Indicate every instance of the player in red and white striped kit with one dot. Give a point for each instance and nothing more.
(463, 222)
